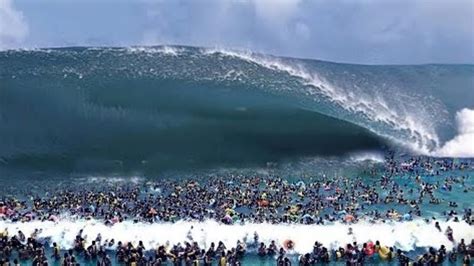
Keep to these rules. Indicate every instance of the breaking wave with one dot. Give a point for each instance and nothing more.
(174, 106)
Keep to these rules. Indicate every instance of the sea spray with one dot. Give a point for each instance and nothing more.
(403, 235)
(462, 145)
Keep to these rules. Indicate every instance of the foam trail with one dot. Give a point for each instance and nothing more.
(462, 145)
(367, 156)
(111, 180)
(166, 50)
(404, 235)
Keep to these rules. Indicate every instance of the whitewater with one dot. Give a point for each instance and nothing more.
(404, 235)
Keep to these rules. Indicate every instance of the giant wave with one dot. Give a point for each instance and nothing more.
(174, 107)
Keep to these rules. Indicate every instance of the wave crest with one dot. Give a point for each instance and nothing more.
(397, 121)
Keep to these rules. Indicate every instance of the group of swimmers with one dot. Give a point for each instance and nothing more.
(238, 198)
(397, 191)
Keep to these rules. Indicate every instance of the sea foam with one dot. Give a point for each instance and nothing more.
(405, 235)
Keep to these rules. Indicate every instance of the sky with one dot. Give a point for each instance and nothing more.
(351, 31)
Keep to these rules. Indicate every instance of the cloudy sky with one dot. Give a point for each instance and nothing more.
(356, 31)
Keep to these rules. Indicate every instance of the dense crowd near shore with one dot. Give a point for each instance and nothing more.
(239, 198)
(190, 253)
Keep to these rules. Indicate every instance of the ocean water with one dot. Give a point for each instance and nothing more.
(81, 116)
(152, 109)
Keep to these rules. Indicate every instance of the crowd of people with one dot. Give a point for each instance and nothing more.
(105, 253)
(253, 198)
(399, 190)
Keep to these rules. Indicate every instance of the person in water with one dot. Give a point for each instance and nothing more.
(192, 254)
(240, 199)
(342, 199)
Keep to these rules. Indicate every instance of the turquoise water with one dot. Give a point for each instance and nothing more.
(145, 111)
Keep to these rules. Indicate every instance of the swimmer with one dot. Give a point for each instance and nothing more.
(449, 233)
(438, 226)
(262, 250)
(272, 248)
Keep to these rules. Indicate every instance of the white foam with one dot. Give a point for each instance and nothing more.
(166, 50)
(404, 235)
(462, 145)
(112, 179)
(367, 156)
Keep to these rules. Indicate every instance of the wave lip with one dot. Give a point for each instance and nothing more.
(411, 121)
(372, 106)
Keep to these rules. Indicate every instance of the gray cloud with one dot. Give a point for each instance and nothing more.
(365, 31)
(349, 31)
